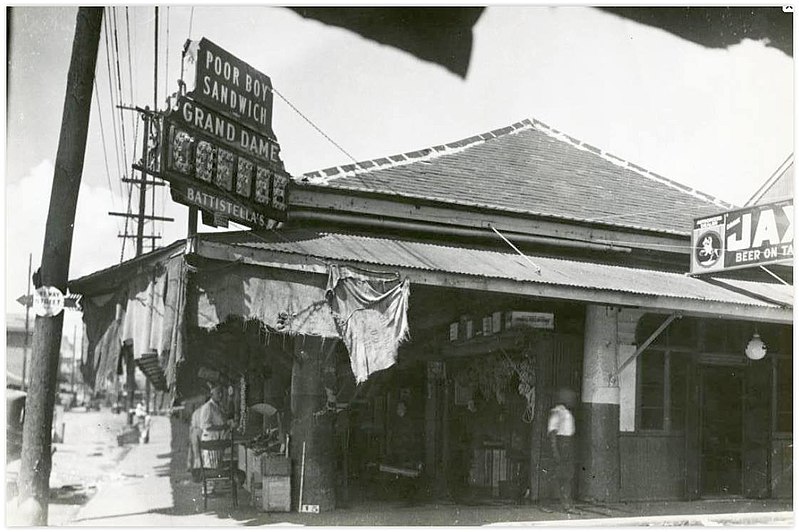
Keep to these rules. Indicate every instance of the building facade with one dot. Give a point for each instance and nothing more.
(533, 262)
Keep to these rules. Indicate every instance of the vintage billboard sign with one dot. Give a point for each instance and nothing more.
(208, 167)
(197, 117)
(230, 86)
(743, 238)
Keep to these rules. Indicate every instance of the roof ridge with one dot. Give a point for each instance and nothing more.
(425, 154)
(623, 163)
(324, 176)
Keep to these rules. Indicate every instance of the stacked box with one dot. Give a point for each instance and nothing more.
(276, 483)
(277, 494)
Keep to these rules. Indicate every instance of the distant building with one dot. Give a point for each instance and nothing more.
(15, 346)
(15, 352)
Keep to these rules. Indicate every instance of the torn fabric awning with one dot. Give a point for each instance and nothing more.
(371, 312)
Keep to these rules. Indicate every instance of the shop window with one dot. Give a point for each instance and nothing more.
(651, 392)
(662, 391)
(784, 394)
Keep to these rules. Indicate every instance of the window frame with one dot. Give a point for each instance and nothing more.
(775, 391)
(667, 426)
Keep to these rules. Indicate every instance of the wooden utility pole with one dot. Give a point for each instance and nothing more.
(27, 327)
(34, 475)
(74, 356)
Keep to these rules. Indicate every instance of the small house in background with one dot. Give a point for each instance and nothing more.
(15, 347)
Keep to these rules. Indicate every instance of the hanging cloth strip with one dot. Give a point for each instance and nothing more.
(370, 310)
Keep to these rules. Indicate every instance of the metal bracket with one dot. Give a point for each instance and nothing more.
(614, 378)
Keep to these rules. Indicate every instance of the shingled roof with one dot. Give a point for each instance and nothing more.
(531, 168)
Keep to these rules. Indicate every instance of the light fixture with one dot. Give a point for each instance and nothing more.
(755, 349)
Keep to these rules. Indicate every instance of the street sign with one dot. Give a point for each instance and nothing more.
(743, 238)
(71, 301)
(48, 301)
(230, 86)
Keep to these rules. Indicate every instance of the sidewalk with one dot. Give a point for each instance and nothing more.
(151, 489)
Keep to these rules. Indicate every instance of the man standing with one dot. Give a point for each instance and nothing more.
(560, 430)
(213, 425)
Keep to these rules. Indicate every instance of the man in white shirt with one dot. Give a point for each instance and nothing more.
(213, 424)
(560, 429)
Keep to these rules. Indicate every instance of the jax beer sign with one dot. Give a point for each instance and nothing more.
(223, 160)
(752, 236)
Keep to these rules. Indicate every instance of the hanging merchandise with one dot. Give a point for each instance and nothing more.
(242, 405)
(371, 318)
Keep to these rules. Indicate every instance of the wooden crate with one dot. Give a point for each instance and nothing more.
(275, 466)
(277, 494)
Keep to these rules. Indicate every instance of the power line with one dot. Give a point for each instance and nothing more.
(317, 128)
(119, 92)
(130, 63)
(111, 95)
(105, 150)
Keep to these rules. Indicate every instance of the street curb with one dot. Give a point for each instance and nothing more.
(749, 518)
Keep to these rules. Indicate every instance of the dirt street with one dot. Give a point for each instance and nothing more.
(88, 455)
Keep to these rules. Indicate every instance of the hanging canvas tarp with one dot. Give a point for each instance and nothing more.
(370, 309)
(147, 314)
(265, 294)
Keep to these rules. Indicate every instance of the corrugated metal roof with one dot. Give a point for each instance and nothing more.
(437, 257)
(531, 168)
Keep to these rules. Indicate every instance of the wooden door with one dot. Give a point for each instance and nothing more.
(722, 431)
(757, 429)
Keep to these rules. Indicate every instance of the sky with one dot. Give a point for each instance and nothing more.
(719, 120)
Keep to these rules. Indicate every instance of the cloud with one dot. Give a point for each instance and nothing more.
(94, 243)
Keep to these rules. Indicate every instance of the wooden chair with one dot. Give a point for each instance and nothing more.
(225, 470)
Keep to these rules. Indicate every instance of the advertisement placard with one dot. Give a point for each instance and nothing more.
(230, 86)
(743, 238)
(207, 172)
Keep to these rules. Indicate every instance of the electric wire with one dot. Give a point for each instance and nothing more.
(317, 128)
(128, 209)
(111, 94)
(135, 127)
(120, 96)
(105, 149)
(130, 62)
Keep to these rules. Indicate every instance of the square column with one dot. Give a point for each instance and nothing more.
(598, 420)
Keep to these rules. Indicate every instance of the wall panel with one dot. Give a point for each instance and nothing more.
(652, 466)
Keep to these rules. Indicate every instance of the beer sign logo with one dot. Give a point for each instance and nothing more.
(708, 249)
(743, 238)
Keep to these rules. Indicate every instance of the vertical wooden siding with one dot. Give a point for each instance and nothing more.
(782, 466)
(652, 466)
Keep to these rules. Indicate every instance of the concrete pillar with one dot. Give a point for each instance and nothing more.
(599, 420)
(314, 363)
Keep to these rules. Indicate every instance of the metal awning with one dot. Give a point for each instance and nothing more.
(437, 264)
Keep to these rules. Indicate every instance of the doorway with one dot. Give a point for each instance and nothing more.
(722, 431)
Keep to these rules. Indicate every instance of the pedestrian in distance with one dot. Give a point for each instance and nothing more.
(561, 433)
